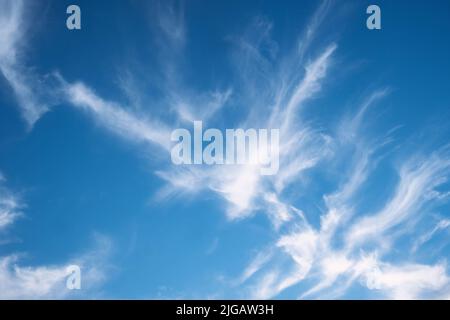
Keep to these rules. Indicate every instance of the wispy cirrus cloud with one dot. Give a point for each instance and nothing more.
(31, 91)
(10, 205)
(442, 225)
(319, 253)
(408, 281)
(170, 19)
(242, 186)
(349, 247)
(19, 281)
(313, 27)
(417, 186)
(115, 118)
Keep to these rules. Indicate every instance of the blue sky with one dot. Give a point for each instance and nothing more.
(358, 209)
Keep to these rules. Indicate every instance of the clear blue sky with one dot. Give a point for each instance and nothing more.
(358, 209)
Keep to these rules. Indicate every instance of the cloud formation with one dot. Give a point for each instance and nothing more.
(18, 281)
(321, 254)
(31, 91)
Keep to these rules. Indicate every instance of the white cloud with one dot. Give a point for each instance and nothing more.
(418, 179)
(242, 186)
(302, 246)
(30, 92)
(11, 18)
(312, 28)
(170, 18)
(313, 251)
(117, 119)
(49, 281)
(331, 257)
(239, 187)
(202, 108)
(441, 225)
(315, 71)
(300, 151)
(255, 265)
(410, 281)
(27, 282)
(10, 206)
(8, 212)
